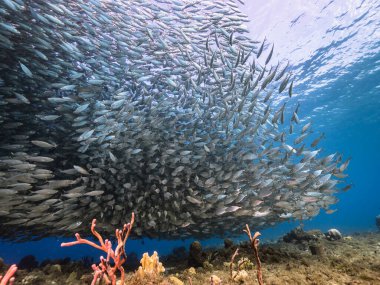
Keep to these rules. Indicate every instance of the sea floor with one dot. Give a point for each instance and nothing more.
(307, 258)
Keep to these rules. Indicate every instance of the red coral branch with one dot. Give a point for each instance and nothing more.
(9, 276)
(232, 262)
(255, 246)
(105, 271)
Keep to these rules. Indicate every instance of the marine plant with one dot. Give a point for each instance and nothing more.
(8, 276)
(255, 246)
(105, 271)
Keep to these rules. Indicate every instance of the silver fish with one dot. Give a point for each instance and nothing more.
(156, 107)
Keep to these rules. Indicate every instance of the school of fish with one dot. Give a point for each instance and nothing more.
(166, 108)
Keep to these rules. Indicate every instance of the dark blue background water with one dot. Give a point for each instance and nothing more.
(334, 47)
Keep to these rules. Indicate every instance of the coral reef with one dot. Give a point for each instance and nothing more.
(28, 262)
(196, 256)
(104, 271)
(333, 234)
(228, 243)
(352, 260)
(317, 249)
(298, 235)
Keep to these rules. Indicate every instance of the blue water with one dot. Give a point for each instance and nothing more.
(334, 50)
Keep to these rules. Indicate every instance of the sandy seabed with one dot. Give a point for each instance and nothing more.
(352, 260)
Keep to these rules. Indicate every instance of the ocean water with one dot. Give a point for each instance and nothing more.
(334, 52)
(334, 47)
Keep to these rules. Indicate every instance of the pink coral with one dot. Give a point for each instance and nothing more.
(104, 270)
(9, 276)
